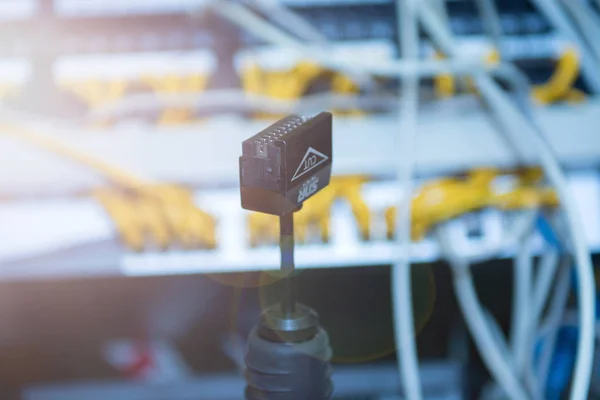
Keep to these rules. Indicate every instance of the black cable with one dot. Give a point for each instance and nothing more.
(286, 245)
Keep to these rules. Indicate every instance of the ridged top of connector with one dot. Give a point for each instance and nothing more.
(282, 131)
(278, 130)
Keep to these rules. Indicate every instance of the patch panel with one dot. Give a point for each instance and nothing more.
(99, 80)
(163, 26)
(68, 247)
(160, 29)
(265, 70)
(362, 146)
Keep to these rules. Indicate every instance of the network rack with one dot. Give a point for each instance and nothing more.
(92, 33)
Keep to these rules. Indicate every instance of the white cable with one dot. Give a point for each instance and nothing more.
(589, 67)
(496, 361)
(400, 272)
(241, 16)
(496, 331)
(498, 100)
(491, 21)
(546, 274)
(588, 23)
(547, 267)
(406, 348)
(556, 311)
(521, 310)
(516, 233)
(303, 29)
(442, 10)
(527, 136)
(291, 20)
(530, 139)
(246, 19)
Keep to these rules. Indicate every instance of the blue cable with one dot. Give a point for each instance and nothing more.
(563, 362)
(563, 359)
(548, 232)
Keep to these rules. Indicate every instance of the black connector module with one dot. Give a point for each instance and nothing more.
(288, 356)
(286, 164)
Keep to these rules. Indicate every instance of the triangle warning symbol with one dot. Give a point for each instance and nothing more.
(311, 160)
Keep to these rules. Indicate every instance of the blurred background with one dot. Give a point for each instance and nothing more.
(128, 269)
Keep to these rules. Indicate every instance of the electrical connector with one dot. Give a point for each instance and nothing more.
(286, 164)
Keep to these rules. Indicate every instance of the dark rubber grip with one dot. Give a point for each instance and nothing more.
(288, 371)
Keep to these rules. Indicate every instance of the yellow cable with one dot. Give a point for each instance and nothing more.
(525, 198)
(435, 202)
(315, 213)
(444, 84)
(559, 86)
(451, 197)
(96, 92)
(54, 145)
(173, 84)
(350, 188)
(342, 84)
(575, 96)
(562, 80)
(284, 85)
(146, 214)
(262, 229)
(293, 83)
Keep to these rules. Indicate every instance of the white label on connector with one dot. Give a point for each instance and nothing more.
(308, 188)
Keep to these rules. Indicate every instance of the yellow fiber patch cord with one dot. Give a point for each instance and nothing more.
(147, 214)
(558, 88)
(281, 85)
(174, 84)
(451, 197)
(292, 84)
(98, 92)
(435, 202)
(160, 216)
(560, 85)
(316, 213)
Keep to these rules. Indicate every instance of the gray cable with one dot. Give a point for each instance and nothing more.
(264, 30)
(588, 23)
(558, 18)
(526, 136)
(521, 307)
(408, 363)
(442, 10)
(558, 304)
(491, 22)
(483, 335)
(291, 21)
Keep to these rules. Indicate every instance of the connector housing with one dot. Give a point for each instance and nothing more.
(286, 163)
